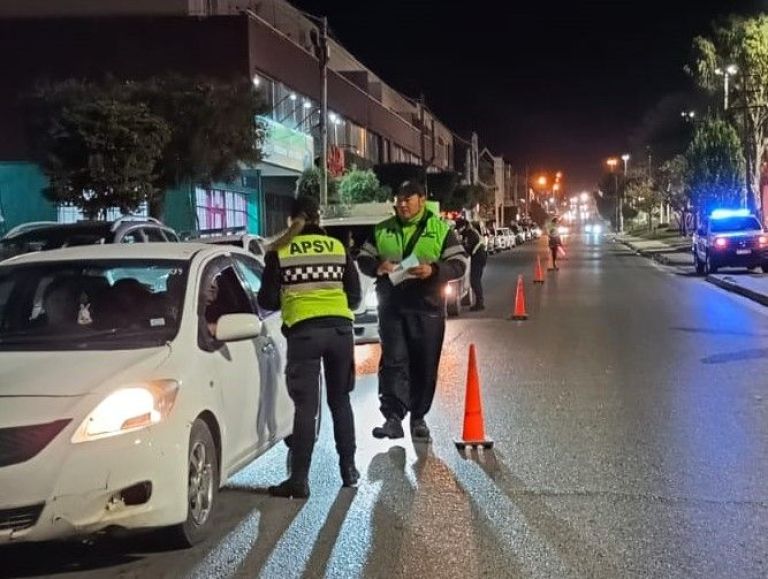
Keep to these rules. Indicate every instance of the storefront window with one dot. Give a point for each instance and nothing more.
(221, 211)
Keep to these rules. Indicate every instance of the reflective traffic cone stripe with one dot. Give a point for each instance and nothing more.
(473, 433)
(519, 312)
(538, 274)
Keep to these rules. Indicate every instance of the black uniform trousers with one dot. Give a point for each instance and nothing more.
(307, 347)
(476, 267)
(411, 343)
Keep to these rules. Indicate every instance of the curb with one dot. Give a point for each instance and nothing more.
(654, 255)
(761, 299)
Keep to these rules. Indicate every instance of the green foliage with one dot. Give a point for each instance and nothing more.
(715, 166)
(98, 151)
(362, 186)
(309, 184)
(742, 42)
(87, 135)
(673, 182)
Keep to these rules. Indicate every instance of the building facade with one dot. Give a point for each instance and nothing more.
(269, 42)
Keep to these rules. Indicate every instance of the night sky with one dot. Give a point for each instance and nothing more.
(546, 86)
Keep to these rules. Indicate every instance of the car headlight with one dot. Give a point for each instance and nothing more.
(448, 291)
(597, 229)
(588, 228)
(371, 300)
(128, 409)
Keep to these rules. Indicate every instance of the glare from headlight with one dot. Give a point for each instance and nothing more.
(448, 291)
(588, 228)
(128, 409)
(372, 300)
(597, 229)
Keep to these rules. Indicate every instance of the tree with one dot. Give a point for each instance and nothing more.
(641, 192)
(392, 175)
(742, 42)
(674, 187)
(362, 186)
(215, 130)
(308, 184)
(715, 166)
(210, 130)
(97, 151)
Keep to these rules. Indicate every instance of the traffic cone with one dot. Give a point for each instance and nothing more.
(538, 274)
(519, 313)
(473, 433)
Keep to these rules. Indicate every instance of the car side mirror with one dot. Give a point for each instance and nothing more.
(234, 327)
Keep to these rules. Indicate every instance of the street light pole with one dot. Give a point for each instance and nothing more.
(726, 73)
(324, 110)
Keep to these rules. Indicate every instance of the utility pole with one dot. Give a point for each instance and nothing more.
(323, 57)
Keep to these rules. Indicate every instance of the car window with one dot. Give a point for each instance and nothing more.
(154, 235)
(97, 304)
(255, 247)
(133, 236)
(221, 292)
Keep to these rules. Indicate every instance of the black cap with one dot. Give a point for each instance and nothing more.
(408, 188)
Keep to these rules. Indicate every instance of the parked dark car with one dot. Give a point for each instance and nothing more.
(43, 236)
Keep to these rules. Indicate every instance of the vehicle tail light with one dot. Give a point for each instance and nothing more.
(721, 242)
(762, 241)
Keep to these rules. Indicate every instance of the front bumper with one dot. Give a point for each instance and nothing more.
(72, 490)
(729, 258)
(366, 327)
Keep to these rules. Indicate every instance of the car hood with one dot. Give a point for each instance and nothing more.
(73, 373)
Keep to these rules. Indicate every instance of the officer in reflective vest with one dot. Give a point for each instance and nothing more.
(309, 276)
(411, 310)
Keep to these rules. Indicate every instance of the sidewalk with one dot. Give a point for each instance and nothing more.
(677, 252)
(674, 252)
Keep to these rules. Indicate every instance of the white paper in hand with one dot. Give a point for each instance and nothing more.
(401, 271)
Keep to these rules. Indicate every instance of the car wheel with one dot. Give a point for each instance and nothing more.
(699, 265)
(202, 487)
(453, 305)
(764, 267)
(710, 268)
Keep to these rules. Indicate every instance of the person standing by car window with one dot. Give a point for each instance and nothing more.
(411, 310)
(555, 241)
(311, 278)
(474, 245)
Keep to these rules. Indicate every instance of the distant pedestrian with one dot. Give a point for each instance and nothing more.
(555, 241)
(474, 245)
(311, 278)
(411, 310)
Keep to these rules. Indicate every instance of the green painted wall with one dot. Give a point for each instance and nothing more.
(21, 195)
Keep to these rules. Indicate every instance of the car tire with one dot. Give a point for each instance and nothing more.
(453, 306)
(203, 488)
(699, 265)
(709, 267)
(764, 267)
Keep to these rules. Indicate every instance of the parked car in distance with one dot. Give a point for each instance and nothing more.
(730, 238)
(135, 381)
(42, 237)
(253, 243)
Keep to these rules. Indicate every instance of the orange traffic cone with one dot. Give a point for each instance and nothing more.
(538, 275)
(474, 425)
(519, 313)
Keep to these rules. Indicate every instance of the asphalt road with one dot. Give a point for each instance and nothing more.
(630, 416)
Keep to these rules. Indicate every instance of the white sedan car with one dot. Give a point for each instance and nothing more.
(134, 381)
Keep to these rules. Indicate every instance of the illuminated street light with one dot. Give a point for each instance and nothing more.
(688, 115)
(726, 73)
(542, 181)
(584, 197)
(293, 96)
(559, 175)
(556, 187)
(256, 80)
(307, 104)
(551, 199)
(625, 157)
(612, 162)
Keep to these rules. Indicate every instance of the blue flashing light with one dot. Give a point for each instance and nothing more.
(726, 213)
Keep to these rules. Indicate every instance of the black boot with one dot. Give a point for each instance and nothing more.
(291, 489)
(420, 430)
(392, 428)
(349, 473)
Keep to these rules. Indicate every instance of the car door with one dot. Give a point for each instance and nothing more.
(233, 367)
(275, 418)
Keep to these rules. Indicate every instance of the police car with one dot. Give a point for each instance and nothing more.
(730, 238)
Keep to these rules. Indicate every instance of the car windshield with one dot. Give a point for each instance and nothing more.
(96, 305)
(352, 236)
(735, 224)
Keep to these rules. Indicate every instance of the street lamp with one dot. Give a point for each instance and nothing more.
(726, 73)
(542, 181)
(625, 158)
(688, 115)
(612, 164)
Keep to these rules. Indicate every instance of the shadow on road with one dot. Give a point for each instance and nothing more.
(328, 535)
(740, 356)
(575, 551)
